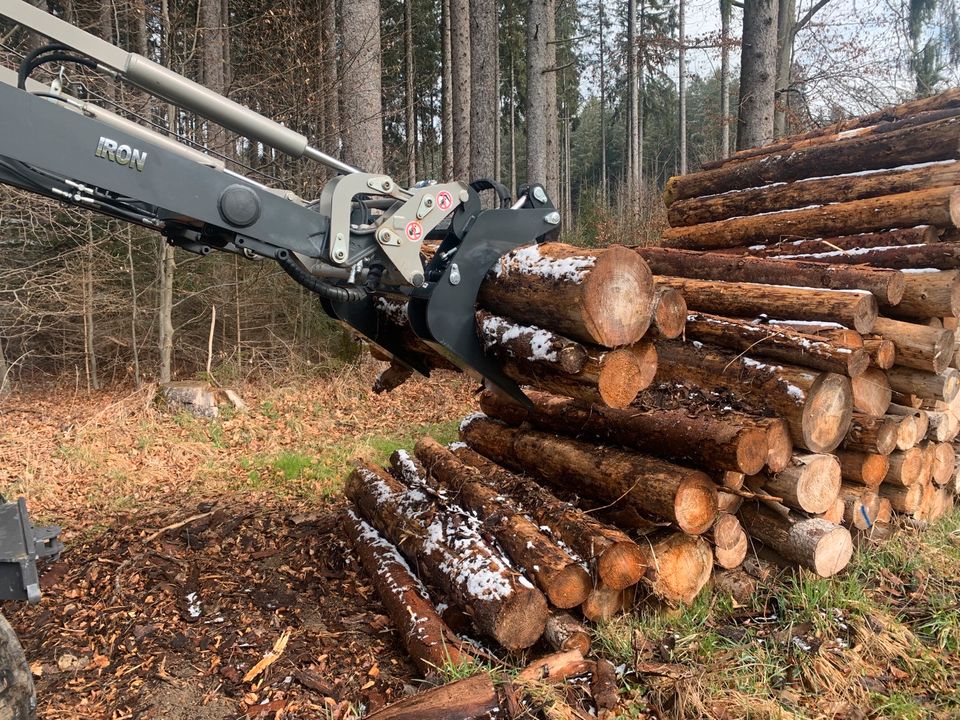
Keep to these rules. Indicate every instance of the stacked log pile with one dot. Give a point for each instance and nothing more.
(779, 379)
(833, 252)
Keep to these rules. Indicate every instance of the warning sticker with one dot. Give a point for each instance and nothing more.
(414, 231)
(444, 200)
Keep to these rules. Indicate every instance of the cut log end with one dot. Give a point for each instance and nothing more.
(827, 413)
(669, 312)
(696, 504)
(818, 483)
(621, 565)
(730, 542)
(871, 392)
(833, 552)
(617, 276)
(625, 372)
(779, 445)
(522, 619)
(681, 567)
(865, 314)
(753, 450)
(603, 604)
(568, 587)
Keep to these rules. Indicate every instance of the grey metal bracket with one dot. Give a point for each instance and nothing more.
(21, 545)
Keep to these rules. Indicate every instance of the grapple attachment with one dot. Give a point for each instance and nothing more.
(442, 311)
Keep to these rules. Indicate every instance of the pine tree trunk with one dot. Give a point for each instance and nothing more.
(409, 98)
(726, 8)
(682, 83)
(330, 75)
(757, 73)
(460, 89)
(446, 93)
(361, 111)
(484, 88)
(786, 31)
(536, 110)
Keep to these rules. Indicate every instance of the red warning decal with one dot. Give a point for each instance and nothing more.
(414, 231)
(444, 200)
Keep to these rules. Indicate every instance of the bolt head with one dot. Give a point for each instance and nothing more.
(417, 279)
(454, 274)
(539, 195)
(339, 255)
(553, 218)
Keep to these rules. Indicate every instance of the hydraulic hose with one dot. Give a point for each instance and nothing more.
(324, 289)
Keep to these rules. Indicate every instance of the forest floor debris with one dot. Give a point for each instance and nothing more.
(167, 626)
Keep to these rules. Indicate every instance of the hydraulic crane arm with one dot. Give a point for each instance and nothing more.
(362, 236)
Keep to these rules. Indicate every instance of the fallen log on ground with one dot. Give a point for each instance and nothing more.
(619, 560)
(565, 583)
(451, 555)
(815, 544)
(474, 698)
(431, 644)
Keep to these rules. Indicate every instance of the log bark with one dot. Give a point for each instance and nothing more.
(939, 256)
(918, 346)
(861, 505)
(428, 640)
(871, 434)
(742, 299)
(934, 386)
(623, 479)
(906, 468)
(886, 285)
(883, 353)
(391, 377)
(813, 191)
(603, 297)
(817, 406)
(903, 499)
(554, 668)
(871, 392)
(563, 580)
(778, 343)
(613, 378)
(604, 688)
(831, 332)
(701, 440)
(796, 249)
(619, 560)
(927, 143)
(507, 339)
(866, 468)
(815, 544)
(451, 555)
(927, 294)
(937, 206)
(564, 632)
(810, 484)
(474, 698)
(730, 542)
(669, 313)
